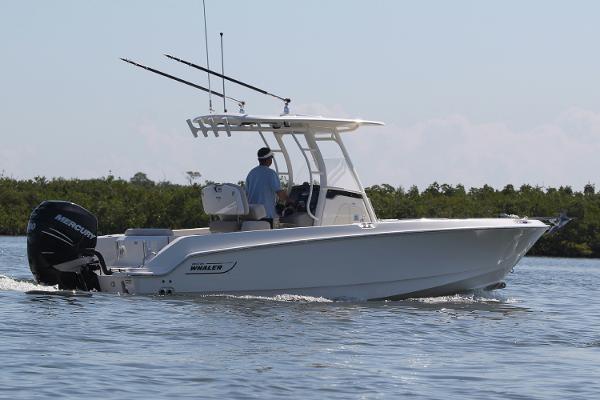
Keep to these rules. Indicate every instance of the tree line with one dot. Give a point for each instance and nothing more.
(140, 202)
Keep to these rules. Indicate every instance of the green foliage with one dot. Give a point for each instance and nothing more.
(140, 202)
(580, 238)
(118, 204)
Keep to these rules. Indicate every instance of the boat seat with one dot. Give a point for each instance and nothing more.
(230, 204)
(224, 199)
(191, 231)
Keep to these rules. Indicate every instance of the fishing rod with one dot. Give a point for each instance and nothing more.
(223, 72)
(240, 102)
(210, 107)
(284, 99)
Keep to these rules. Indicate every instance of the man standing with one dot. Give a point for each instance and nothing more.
(262, 184)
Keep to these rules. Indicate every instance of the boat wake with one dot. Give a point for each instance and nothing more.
(477, 297)
(22, 285)
(278, 298)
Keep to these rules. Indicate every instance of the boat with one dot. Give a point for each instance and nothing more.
(329, 244)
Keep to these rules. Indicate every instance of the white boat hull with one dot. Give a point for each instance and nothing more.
(385, 260)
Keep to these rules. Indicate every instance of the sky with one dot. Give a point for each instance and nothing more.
(471, 92)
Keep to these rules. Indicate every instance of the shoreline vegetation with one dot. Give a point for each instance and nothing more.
(141, 203)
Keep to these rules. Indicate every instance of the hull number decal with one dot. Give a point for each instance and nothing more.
(211, 268)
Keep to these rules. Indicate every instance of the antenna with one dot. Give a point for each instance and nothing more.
(240, 102)
(210, 107)
(223, 72)
(285, 100)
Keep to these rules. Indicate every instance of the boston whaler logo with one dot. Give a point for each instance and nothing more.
(211, 267)
(75, 226)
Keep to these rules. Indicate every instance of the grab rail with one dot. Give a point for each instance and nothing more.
(310, 193)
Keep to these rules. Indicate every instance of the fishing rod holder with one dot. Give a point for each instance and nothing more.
(209, 124)
(233, 123)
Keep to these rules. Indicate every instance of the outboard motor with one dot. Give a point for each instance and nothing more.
(61, 241)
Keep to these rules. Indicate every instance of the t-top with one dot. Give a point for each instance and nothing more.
(262, 184)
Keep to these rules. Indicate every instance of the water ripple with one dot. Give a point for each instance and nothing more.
(535, 339)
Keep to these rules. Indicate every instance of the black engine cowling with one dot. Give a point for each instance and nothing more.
(60, 232)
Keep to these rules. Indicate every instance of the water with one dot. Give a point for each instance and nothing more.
(537, 339)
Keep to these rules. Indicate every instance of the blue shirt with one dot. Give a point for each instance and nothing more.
(262, 185)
